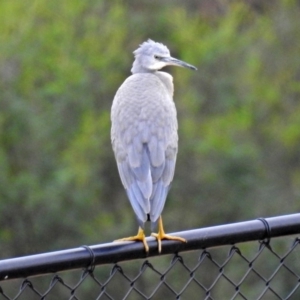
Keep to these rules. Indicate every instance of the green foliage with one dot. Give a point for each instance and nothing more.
(239, 116)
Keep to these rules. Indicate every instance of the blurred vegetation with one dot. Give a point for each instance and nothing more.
(239, 115)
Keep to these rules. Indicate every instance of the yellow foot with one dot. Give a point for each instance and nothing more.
(139, 237)
(162, 236)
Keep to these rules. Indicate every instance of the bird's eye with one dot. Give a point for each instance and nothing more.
(157, 57)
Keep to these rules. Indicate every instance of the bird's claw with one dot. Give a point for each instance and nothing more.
(162, 236)
(139, 237)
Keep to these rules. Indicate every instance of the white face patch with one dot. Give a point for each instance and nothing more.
(158, 65)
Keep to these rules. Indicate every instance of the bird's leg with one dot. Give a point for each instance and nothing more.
(139, 237)
(162, 236)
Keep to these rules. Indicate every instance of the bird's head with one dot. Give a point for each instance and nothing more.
(152, 56)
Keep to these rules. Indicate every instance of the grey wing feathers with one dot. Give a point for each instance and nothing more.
(144, 138)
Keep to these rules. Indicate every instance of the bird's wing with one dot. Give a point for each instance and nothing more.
(144, 138)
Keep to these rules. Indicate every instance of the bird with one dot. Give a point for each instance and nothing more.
(144, 136)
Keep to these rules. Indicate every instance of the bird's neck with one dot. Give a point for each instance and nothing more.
(138, 68)
(167, 80)
(164, 77)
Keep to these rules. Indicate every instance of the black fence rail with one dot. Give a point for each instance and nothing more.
(257, 259)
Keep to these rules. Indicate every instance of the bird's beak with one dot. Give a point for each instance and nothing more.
(176, 62)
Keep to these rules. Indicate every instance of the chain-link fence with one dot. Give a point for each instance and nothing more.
(258, 259)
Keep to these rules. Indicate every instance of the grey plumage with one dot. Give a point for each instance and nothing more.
(144, 131)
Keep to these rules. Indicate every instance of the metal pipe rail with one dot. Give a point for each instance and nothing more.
(89, 256)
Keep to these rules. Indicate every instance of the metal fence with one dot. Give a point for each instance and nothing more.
(257, 259)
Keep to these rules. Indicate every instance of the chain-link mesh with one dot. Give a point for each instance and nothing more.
(252, 270)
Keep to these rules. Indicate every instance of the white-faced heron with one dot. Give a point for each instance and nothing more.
(144, 136)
